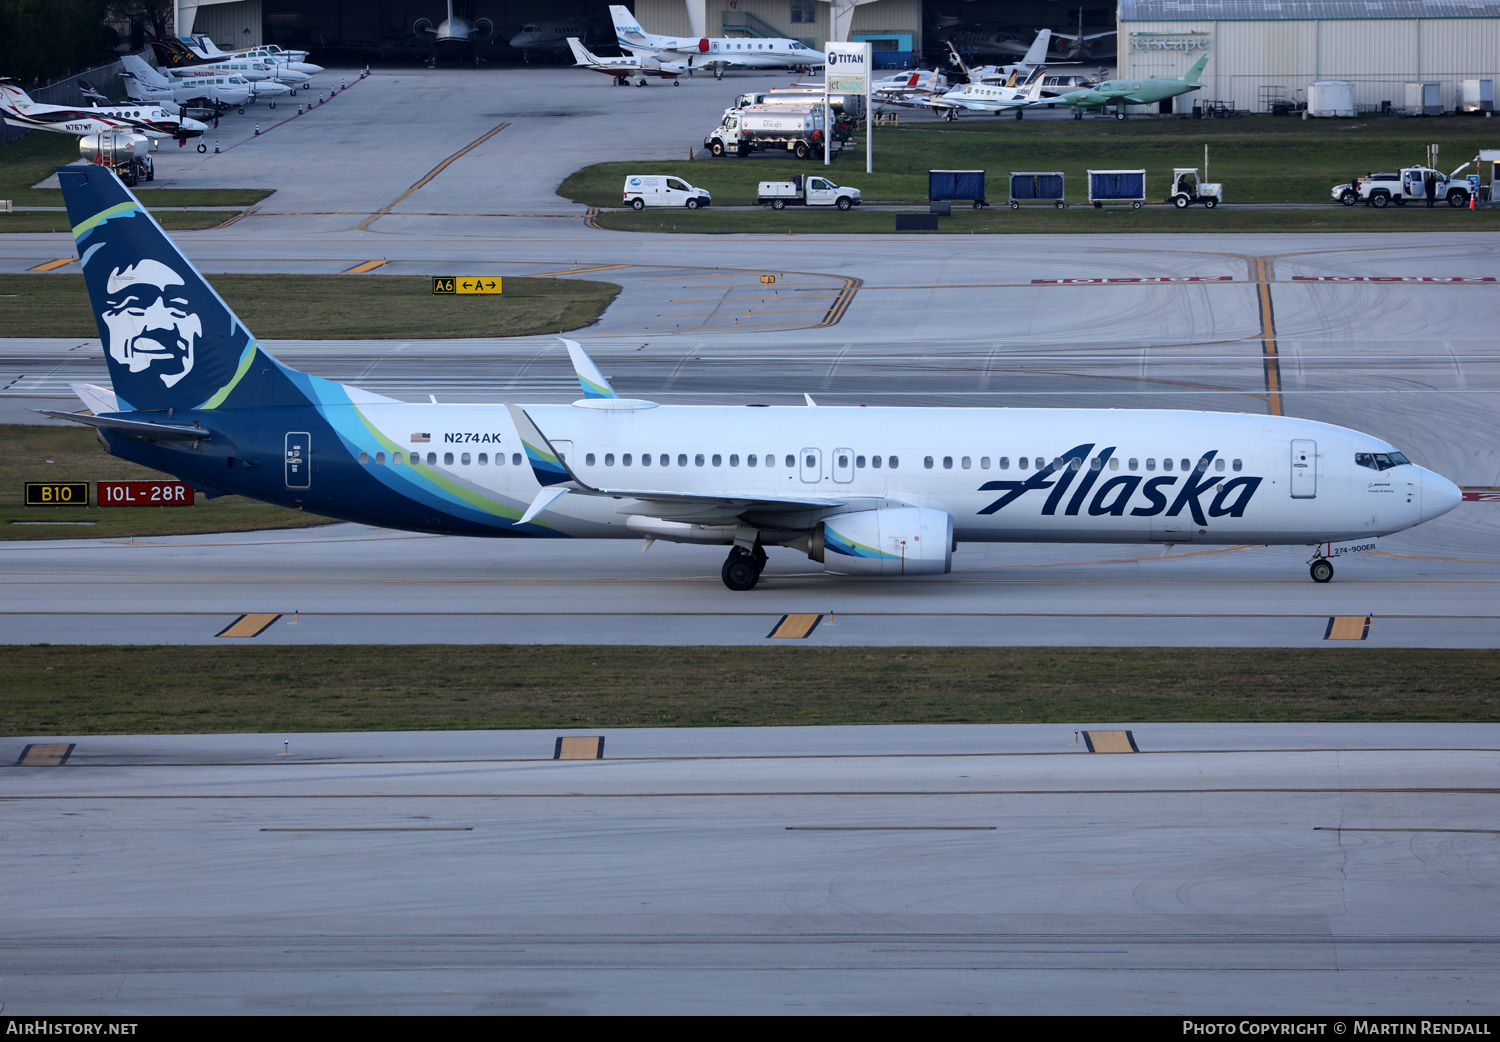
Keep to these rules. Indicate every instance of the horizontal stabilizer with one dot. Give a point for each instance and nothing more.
(96, 398)
(136, 428)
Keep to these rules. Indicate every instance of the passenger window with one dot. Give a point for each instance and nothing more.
(734, 459)
(1096, 464)
(812, 461)
(770, 459)
(1219, 464)
(984, 463)
(751, 460)
(364, 459)
(484, 459)
(1150, 463)
(947, 462)
(1003, 462)
(1134, 463)
(1114, 463)
(645, 459)
(1166, 464)
(791, 461)
(859, 462)
(1187, 464)
(893, 462)
(665, 460)
(515, 459)
(609, 459)
(875, 462)
(589, 459)
(718, 460)
(380, 459)
(927, 462)
(464, 459)
(1075, 464)
(1237, 465)
(1023, 463)
(447, 459)
(395, 459)
(682, 459)
(698, 460)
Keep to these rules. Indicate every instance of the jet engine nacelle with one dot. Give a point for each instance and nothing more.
(889, 541)
(115, 147)
(423, 25)
(483, 29)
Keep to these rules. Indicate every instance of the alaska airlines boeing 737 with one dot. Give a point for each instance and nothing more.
(864, 491)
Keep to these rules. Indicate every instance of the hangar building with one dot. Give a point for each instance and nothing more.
(1265, 50)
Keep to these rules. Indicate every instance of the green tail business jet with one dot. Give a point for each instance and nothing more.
(1130, 92)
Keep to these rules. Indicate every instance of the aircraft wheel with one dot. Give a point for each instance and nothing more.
(294, 94)
(1120, 114)
(639, 204)
(676, 83)
(202, 147)
(1181, 201)
(1321, 570)
(271, 104)
(778, 204)
(242, 110)
(739, 572)
(1210, 203)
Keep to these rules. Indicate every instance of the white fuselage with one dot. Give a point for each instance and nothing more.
(1140, 476)
(748, 51)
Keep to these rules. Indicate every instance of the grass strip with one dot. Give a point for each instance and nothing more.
(330, 307)
(1079, 219)
(53, 690)
(55, 221)
(36, 157)
(1258, 159)
(74, 454)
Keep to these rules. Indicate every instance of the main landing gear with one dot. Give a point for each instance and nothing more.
(1321, 570)
(742, 567)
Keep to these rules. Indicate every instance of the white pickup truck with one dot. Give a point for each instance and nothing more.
(1410, 185)
(807, 191)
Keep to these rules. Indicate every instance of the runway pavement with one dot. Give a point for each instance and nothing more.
(1233, 869)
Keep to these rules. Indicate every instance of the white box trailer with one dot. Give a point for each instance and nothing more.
(1331, 98)
(1476, 96)
(1424, 99)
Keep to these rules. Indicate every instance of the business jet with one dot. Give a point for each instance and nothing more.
(455, 29)
(1129, 92)
(149, 120)
(883, 491)
(698, 52)
(988, 98)
(1035, 56)
(628, 69)
(545, 36)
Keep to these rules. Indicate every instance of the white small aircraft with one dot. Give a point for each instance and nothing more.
(904, 86)
(179, 59)
(698, 52)
(546, 36)
(1035, 56)
(205, 47)
(150, 120)
(984, 97)
(863, 491)
(146, 84)
(626, 70)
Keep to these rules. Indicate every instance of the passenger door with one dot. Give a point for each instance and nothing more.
(843, 465)
(1304, 469)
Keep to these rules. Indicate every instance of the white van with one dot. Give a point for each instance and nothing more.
(642, 190)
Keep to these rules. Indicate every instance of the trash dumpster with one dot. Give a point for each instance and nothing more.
(1117, 186)
(1036, 187)
(956, 184)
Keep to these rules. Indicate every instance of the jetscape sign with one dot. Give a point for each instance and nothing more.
(1186, 42)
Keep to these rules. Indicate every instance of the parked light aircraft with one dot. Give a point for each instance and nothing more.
(628, 69)
(984, 97)
(204, 46)
(146, 84)
(174, 57)
(545, 36)
(865, 491)
(149, 120)
(1130, 92)
(905, 86)
(1035, 56)
(698, 52)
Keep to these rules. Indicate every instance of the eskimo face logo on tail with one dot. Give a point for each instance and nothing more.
(150, 322)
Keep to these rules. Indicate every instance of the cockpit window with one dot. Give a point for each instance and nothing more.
(1379, 460)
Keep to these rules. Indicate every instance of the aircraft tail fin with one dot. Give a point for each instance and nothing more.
(581, 54)
(1037, 52)
(139, 69)
(13, 97)
(1193, 74)
(171, 342)
(627, 29)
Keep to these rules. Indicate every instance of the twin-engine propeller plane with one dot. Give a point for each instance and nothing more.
(864, 491)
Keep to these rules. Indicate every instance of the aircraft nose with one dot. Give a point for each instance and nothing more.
(1439, 495)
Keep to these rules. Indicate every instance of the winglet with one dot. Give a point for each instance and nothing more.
(544, 499)
(589, 377)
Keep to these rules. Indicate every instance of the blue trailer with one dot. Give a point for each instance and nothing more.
(956, 184)
(1036, 187)
(1117, 186)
